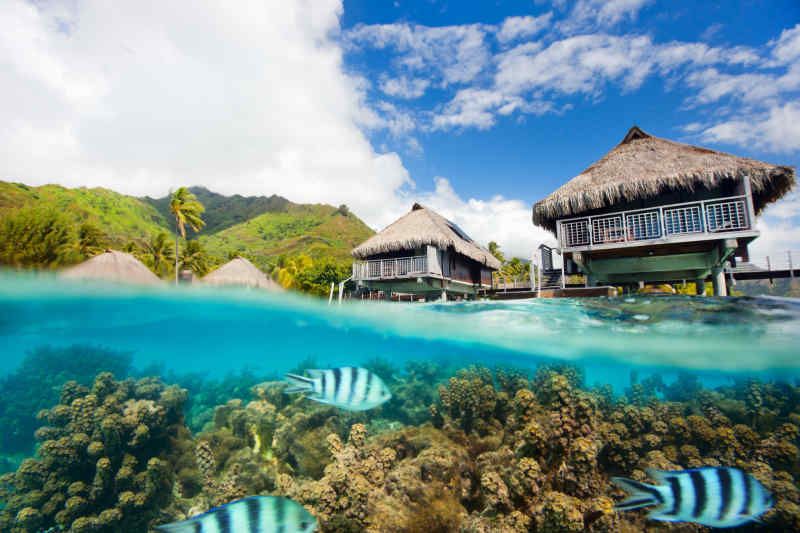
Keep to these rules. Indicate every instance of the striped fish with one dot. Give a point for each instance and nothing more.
(350, 388)
(257, 514)
(711, 496)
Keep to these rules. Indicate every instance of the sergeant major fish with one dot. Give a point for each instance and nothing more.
(350, 388)
(257, 514)
(711, 496)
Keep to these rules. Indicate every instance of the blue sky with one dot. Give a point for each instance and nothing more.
(477, 109)
(528, 154)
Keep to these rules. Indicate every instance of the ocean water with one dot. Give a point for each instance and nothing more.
(216, 334)
(221, 330)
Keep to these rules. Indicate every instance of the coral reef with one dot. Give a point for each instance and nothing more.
(477, 451)
(36, 383)
(105, 462)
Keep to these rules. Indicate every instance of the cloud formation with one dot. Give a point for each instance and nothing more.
(146, 96)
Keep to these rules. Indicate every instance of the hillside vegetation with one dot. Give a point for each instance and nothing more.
(121, 218)
(225, 211)
(303, 246)
(314, 230)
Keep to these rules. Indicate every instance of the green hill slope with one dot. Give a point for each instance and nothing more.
(262, 227)
(122, 218)
(223, 212)
(317, 230)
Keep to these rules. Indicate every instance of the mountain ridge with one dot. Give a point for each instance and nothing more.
(264, 227)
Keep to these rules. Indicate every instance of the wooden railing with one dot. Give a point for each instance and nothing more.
(390, 268)
(706, 216)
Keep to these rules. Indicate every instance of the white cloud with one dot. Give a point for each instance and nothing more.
(582, 64)
(145, 96)
(519, 27)
(449, 54)
(776, 130)
(499, 219)
(786, 48)
(589, 14)
(404, 87)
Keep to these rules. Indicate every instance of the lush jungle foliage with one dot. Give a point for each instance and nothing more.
(513, 269)
(303, 247)
(38, 237)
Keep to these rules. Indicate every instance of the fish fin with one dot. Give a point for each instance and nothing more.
(660, 475)
(320, 399)
(184, 526)
(639, 494)
(661, 514)
(298, 384)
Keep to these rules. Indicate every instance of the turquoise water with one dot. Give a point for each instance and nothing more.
(509, 394)
(218, 331)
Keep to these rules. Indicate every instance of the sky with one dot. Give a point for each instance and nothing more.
(476, 109)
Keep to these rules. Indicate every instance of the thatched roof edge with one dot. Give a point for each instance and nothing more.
(768, 182)
(416, 232)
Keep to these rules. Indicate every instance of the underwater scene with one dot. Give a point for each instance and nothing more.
(128, 409)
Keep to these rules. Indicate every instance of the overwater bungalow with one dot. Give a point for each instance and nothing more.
(654, 210)
(424, 254)
(239, 272)
(112, 266)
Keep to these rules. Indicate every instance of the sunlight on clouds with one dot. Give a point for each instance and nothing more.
(506, 221)
(777, 130)
(145, 96)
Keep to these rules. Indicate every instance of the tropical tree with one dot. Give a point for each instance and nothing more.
(91, 240)
(195, 258)
(158, 253)
(291, 268)
(494, 248)
(187, 210)
(37, 237)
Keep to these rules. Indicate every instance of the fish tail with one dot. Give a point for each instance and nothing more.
(640, 494)
(298, 384)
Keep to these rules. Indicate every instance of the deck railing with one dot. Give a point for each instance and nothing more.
(706, 216)
(390, 268)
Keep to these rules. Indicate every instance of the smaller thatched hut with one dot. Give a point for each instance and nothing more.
(112, 266)
(240, 272)
(423, 253)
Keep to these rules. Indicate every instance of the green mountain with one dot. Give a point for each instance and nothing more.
(223, 212)
(122, 218)
(316, 230)
(261, 227)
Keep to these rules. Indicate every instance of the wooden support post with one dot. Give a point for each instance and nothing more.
(718, 280)
(700, 286)
(641, 285)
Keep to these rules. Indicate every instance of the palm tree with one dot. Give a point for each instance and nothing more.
(287, 274)
(194, 257)
(187, 210)
(158, 251)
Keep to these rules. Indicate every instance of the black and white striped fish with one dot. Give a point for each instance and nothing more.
(257, 514)
(711, 496)
(350, 388)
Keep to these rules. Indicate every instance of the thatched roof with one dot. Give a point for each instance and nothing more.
(112, 266)
(643, 166)
(240, 272)
(421, 227)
